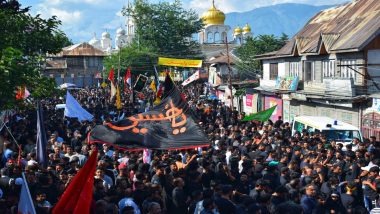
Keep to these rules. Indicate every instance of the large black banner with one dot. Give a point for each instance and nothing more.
(169, 125)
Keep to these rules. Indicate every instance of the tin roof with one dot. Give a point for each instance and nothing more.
(346, 28)
(223, 58)
(81, 49)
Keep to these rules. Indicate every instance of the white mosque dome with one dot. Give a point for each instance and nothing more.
(106, 35)
(94, 41)
(120, 31)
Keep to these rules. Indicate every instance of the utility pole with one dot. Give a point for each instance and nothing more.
(229, 74)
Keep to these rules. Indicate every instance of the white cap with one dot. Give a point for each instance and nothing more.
(367, 168)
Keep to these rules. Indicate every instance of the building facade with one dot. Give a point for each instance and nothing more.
(81, 64)
(334, 61)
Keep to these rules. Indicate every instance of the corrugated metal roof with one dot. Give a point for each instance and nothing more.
(287, 49)
(348, 27)
(329, 39)
(222, 59)
(82, 49)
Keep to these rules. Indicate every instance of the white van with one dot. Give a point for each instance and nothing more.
(336, 130)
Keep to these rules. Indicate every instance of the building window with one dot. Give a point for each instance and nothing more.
(217, 38)
(294, 69)
(224, 37)
(210, 38)
(309, 71)
(348, 69)
(273, 73)
(328, 68)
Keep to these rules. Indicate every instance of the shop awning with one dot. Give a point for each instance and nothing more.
(266, 90)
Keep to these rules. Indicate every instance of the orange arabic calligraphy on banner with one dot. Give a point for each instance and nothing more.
(190, 63)
(172, 114)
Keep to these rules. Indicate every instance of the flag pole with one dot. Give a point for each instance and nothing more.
(118, 76)
(230, 75)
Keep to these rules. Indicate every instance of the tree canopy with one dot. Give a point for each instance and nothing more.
(166, 28)
(248, 65)
(24, 41)
(137, 57)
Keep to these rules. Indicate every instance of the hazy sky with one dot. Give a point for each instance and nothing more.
(82, 18)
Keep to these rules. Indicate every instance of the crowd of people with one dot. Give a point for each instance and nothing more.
(249, 167)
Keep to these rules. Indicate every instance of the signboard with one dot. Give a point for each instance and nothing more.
(339, 87)
(189, 63)
(140, 83)
(248, 101)
(287, 83)
(272, 101)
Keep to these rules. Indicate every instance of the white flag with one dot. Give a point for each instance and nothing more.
(191, 79)
(25, 204)
(74, 109)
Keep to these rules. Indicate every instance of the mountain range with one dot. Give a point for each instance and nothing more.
(277, 19)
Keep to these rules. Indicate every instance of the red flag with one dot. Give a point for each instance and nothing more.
(20, 94)
(183, 97)
(77, 197)
(159, 92)
(127, 79)
(111, 75)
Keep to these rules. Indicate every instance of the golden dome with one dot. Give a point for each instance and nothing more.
(237, 31)
(213, 16)
(247, 29)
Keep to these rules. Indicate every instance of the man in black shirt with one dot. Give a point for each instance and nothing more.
(224, 203)
(179, 197)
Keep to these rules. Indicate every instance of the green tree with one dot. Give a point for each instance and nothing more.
(139, 58)
(167, 28)
(24, 41)
(248, 66)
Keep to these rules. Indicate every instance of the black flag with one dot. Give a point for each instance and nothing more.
(169, 125)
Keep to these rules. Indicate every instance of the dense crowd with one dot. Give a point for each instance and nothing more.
(248, 168)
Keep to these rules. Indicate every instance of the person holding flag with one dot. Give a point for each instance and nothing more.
(111, 78)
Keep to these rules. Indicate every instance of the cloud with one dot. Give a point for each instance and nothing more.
(66, 17)
(228, 6)
(91, 1)
(119, 14)
(53, 2)
(60, 2)
(81, 18)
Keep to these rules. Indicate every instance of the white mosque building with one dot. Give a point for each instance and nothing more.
(216, 32)
(122, 38)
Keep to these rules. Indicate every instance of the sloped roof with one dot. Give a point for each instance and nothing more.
(222, 59)
(81, 49)
(214, 50)
(345, 28)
